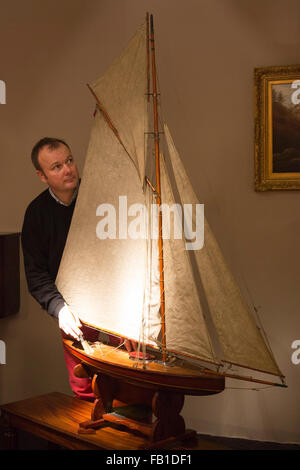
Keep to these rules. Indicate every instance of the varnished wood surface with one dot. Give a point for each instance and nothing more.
(56, 417)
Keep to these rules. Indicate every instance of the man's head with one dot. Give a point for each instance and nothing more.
(55, 165)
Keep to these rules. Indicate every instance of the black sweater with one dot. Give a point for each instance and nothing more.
(44, 234)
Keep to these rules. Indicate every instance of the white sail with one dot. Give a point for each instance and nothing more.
(122, 92)
(238, 334)
(186, 330)
(151, 326)
(103, 280)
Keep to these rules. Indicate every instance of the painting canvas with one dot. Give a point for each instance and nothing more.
(277, 128)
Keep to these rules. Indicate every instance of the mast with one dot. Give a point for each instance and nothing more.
(148, 56)
(158, 190)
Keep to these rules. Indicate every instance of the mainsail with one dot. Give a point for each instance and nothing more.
(103, 280)
(111, 279)
(122, 93)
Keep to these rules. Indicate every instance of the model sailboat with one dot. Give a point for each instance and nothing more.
(125, 275)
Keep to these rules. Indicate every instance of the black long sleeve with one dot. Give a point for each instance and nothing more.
(44, 234)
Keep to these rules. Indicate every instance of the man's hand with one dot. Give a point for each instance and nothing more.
(69, 322)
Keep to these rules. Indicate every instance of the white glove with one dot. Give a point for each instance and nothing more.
(69, 322)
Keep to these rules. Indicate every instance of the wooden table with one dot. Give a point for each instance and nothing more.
(55, 417)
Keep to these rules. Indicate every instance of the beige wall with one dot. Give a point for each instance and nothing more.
(207, 50)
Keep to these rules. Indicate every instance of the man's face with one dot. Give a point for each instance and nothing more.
(59, 170)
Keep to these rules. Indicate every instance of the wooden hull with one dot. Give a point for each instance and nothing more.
(116, 363)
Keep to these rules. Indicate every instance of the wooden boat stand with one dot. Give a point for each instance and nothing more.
(122, 403)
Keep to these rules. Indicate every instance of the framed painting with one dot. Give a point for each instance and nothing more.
(277, 128)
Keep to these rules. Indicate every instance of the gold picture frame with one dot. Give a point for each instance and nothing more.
(277, 128)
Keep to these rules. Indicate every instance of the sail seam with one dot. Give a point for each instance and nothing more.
(261, 328)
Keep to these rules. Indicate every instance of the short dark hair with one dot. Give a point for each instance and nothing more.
(50, 142)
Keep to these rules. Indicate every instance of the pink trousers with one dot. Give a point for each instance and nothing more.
(82, 388)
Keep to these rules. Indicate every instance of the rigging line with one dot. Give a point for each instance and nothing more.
(142, 334)
(148, 309)
(162, 280)
(154, 133)
(98, 344)
(251, 389)
(160, 103)
(246, 378)
(155, 197)
(104, 113)
(259, 321)
(253, 305)
(148, 56)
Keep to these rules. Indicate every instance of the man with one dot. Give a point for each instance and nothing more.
(44, 233)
